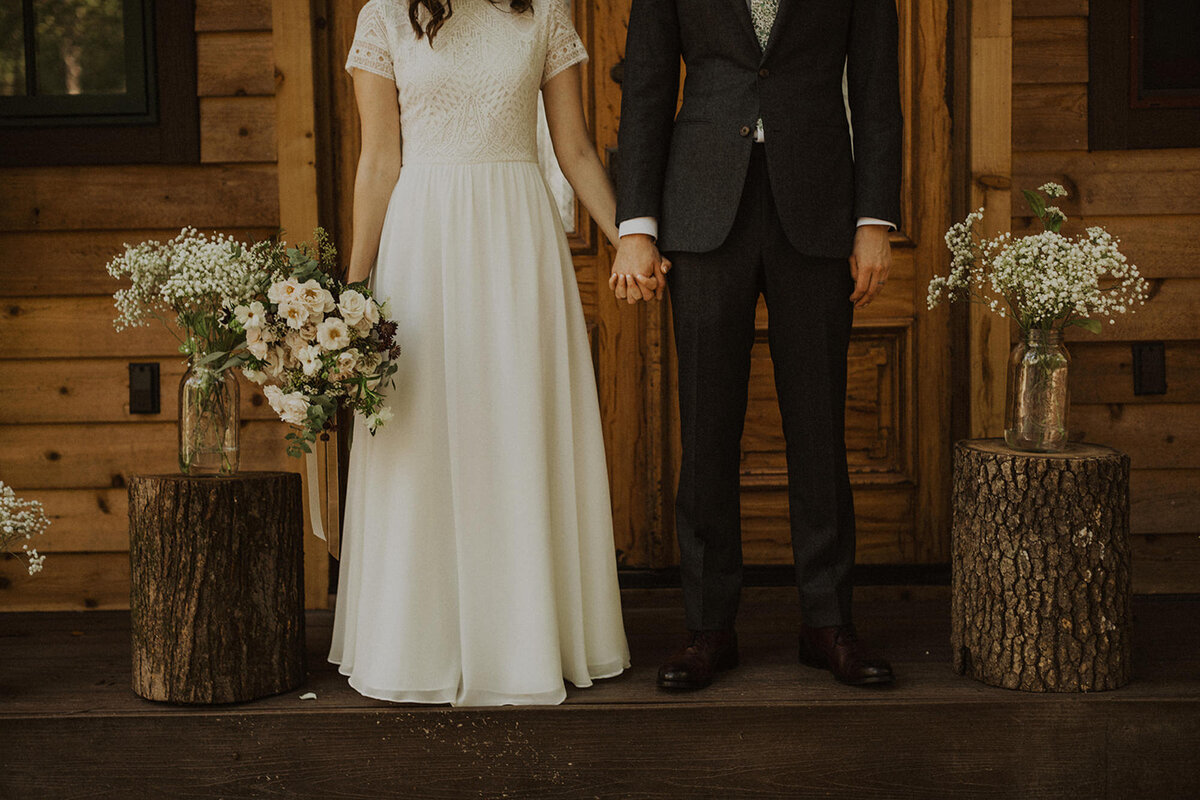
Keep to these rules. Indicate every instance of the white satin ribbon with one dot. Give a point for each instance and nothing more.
(314, 496)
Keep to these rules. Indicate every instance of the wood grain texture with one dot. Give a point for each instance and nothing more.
(1102, 372)
(1050, 8)
(122, 198)
(235, 64)
(1165, 501)
(233, 15)
(67, 582)
(761, 731)
(217, 593)
(75, 327)
(1114, 183)
(57, 263)
(1050, 50)
(1041, 568)
(104, 455)
(97, 390)
(1172, 312)
(990, 165)
(237, 129)
(1154, 439)
(84, 520)
(1167, 564)
(1050, 117)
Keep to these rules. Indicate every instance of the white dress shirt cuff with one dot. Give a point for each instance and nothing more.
(873, 221)
(646, 225)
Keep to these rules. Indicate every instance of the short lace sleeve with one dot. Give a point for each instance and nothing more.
(370, 50)
(565, 49)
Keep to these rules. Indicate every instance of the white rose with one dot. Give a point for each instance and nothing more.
(283, 291)
(363, 326)
(274, 397)
(310, 359)
(275, 361)
(372, 312)
(293, 408)
(353, 306)
(333, 334)
(294, 313)
(315, 298)
(258, 349)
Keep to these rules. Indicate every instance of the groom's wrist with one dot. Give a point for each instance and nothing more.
(645, 226)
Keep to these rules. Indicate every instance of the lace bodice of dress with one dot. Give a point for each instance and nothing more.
(472, 96)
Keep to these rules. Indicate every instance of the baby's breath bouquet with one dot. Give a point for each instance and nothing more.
(20, 521)
(1045, 280)
(316, 344)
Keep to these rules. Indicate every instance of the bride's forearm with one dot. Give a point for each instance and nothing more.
(587, 176)
(373, 185)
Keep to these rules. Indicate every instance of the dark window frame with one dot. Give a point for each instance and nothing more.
(1118, 117)
(137, 105)
(171, 137)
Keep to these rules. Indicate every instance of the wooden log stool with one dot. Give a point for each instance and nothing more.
(1040, 560)
(217, 586)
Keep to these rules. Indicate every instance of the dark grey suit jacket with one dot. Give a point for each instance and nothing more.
(688, 170)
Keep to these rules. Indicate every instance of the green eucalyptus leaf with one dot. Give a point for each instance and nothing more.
(1035, 202)
(1090, 325)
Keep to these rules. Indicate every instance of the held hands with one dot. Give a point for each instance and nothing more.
(639, 271)
(870, 263)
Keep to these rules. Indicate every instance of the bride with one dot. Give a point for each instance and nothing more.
(477, 563)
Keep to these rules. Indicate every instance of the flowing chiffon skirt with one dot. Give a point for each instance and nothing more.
(477, 563)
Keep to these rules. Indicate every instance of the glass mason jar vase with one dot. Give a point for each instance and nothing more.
(1035, 414)
(209, 418)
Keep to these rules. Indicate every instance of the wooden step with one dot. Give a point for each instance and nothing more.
(72, 726)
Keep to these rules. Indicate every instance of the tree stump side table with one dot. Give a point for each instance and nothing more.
(217, 586)
(1040, 563)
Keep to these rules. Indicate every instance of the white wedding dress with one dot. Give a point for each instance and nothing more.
(477, 564)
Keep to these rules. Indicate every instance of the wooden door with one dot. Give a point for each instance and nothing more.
(898, 410)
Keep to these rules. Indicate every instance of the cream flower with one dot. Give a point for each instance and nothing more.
(255, 376)
(291, 408)
(353, 306)
(275, 361)
(332, 334)
(310, 359)
(284, 291)
(315, 298)
(295, 313)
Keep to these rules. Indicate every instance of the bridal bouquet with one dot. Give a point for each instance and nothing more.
(1045, 281)
(316, 344)
(21, 520)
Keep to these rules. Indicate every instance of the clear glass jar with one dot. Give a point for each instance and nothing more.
(209, 419)
(1035, 414)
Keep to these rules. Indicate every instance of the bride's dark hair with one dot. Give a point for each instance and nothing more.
(441, 10)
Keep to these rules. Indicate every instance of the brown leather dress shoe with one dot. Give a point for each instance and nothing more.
(838, 649)
(706, 654)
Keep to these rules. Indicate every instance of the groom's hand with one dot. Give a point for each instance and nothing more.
(639, 270)
(870, 263)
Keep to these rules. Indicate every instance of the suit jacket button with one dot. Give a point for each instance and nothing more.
(764, 72)
(745, 131)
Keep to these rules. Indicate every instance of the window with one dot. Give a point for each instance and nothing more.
(75, 62)
(1144, 81)
(97, 82)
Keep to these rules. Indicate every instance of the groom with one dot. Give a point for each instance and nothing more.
(754, 188)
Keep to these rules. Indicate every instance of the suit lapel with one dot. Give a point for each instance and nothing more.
(780, 18)
(742, 11)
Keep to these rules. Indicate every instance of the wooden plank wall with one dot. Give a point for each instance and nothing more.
(1151, 200)
(68, 438)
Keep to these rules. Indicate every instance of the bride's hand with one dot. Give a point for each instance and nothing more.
(638, 271)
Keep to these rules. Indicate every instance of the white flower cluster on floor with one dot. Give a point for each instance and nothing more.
(20, 521)
(1044, 280)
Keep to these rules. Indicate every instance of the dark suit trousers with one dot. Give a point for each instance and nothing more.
(714, 296)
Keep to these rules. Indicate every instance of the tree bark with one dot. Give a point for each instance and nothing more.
(217, 586)
(1041, 572)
